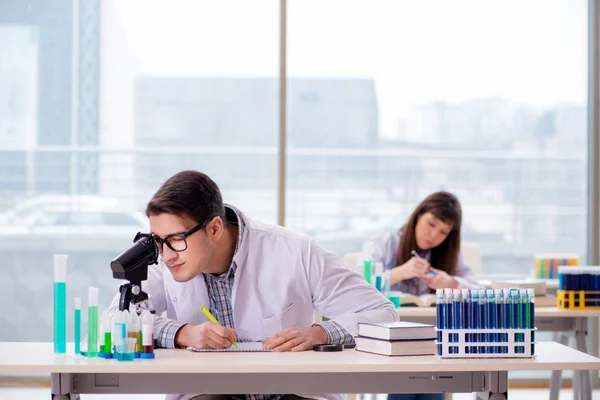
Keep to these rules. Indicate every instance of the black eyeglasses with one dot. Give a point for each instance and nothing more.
(178, 241)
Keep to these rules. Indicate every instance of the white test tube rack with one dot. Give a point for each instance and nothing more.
(460, 347)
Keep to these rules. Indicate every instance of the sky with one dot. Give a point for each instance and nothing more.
(531, 52)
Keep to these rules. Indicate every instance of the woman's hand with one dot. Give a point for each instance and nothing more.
(442, 280)
(413, 268)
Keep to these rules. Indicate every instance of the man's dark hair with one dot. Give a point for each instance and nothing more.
(188, 193)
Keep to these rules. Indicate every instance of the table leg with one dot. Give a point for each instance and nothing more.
(555, 381)
(497, 387)
(60, 387)
(585, 379)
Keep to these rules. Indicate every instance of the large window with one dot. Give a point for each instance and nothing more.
(389, 101)
(100, 102)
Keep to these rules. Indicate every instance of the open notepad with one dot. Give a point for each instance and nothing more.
(242, 346)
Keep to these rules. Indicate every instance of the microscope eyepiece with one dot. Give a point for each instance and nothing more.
(132, 264)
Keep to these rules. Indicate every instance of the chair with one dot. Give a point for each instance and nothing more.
(472, 256)
(351, 260)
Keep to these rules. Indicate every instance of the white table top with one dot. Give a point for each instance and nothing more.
(18, 357)
(540, 312)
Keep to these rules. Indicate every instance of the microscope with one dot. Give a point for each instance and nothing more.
(132, 265)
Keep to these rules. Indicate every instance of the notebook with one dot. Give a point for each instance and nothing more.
(242, 346)
(397, 331)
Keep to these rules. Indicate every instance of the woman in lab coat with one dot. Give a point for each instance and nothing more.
(261, 282)
(424, 255)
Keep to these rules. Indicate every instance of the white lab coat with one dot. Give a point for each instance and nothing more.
(281, 278)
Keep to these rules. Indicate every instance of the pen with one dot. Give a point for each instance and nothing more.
(211, 318)
(431, 273)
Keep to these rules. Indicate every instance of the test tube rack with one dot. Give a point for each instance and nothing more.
(578, 299)
(460, 347)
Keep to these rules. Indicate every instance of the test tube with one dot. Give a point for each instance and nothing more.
(92, 349)
(490, 318)
(133, 332)
(60, 303)
(77, 324)
(497, 321)
(474, 318)
(531, 295)
(368, 250)
(576, 278)
(387, 283)
(514, 314)
(506, 322)
(457, 308)
(105, 337)
(120, 330)
(524, 315)
(440, 316)
(130, 339)
(378, 272)
(561, 278)
(481, 316)
(147, 335)
(449, 320)
(465, 314)
(587, 279)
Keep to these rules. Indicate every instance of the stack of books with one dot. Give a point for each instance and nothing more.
(396, 339)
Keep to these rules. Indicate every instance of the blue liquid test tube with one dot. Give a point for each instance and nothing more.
(481, 316)
(457, 308)
(586, 279)
(466, 314)
(561, 278)
(570, 278)
(440, 316)
(60, 303)
(514, 314)
(449, 300)
(506, 316)
(474, 318)
(497, 323)
(379, 275)
(490, 316)
(531, 295)
(77, 324)
(577, 284)
(523, 314)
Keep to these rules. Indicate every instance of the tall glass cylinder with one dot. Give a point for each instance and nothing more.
(60, 303)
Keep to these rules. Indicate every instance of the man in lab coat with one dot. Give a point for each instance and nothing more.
(261, 282)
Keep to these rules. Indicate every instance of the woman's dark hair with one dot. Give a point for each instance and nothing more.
(445, 207)
(188, 193)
